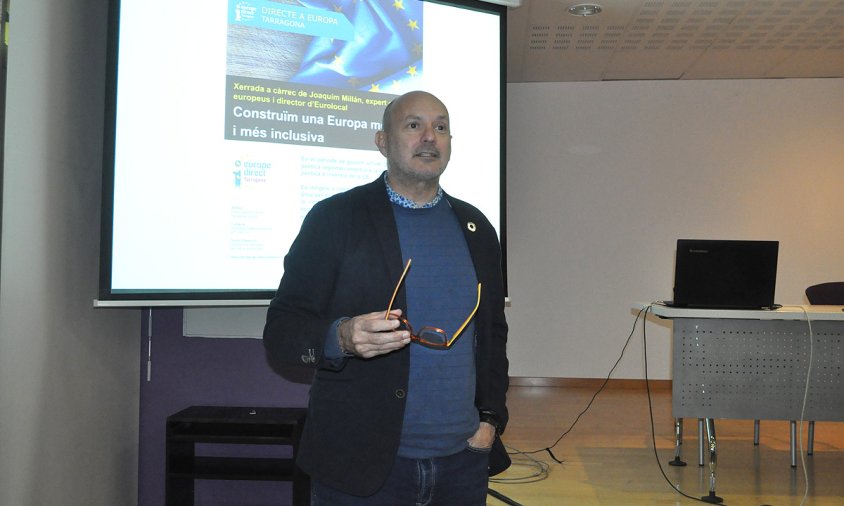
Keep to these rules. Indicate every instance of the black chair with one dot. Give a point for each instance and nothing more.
(831, 294)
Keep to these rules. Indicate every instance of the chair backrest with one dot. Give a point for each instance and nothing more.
(826, 293)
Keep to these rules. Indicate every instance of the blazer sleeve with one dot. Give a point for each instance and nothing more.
(298, 318)
(343, 263)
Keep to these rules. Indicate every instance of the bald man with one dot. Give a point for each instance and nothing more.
(393, 291)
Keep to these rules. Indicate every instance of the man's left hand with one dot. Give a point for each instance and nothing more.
(483, 437)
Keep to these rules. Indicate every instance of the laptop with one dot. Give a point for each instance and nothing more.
(724, 274)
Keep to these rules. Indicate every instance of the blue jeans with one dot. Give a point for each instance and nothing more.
(459, 479)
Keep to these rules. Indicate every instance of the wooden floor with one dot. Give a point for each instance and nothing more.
(608, 457)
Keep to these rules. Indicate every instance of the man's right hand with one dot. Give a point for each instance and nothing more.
(370, 335)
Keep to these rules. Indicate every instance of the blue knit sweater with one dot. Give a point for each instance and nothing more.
(441, 286)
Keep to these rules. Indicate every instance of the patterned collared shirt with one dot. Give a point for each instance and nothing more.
(401, 200)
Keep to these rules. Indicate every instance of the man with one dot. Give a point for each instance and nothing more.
(394, 417)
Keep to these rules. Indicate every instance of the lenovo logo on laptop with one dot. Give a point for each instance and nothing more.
(724, 274)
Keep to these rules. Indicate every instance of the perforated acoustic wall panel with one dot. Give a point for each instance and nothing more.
(757, 369)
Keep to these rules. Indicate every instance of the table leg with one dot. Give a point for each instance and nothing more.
(678, 443)
(811, 448)
(713, 462)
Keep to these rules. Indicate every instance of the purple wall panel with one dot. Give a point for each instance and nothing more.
(189, 371)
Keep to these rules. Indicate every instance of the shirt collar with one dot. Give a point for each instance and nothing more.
(401, 200)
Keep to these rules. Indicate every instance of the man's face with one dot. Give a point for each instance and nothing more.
(417, 144)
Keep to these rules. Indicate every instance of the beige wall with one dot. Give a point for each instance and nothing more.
(68, 372)
(603, 178)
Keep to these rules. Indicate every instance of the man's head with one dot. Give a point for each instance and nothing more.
(415, 138)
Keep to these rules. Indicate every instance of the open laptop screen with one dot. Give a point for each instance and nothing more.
(725, 274)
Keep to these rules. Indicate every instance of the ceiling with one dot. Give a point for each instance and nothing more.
(675, 39)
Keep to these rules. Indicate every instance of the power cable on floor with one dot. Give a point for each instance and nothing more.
(604, 384)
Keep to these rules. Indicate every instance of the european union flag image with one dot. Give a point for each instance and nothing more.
(385, 50)
(302, 72)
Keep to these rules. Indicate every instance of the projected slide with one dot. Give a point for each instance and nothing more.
(312, 76)
(234, 117)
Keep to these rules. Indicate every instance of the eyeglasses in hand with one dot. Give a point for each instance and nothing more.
(431, 337)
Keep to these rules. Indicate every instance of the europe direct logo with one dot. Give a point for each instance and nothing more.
(244, 11)
(248, 173)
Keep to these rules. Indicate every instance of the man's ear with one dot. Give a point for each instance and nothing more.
(381, 141)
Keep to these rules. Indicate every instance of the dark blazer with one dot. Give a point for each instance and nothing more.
(345, 262)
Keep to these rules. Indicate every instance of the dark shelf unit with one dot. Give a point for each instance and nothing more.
(227, 425)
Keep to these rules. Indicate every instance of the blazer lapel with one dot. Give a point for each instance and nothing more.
(380, 213)
(469, 229)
